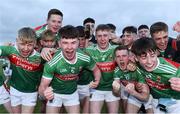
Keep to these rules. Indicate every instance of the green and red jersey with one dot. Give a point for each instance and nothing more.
(40, 29)
(158, 79)
(63, 74)
(105, 61)
(129, 76)
(26, 73)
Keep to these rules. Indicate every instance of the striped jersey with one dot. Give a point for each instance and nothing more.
(63, 74)
(26, 73)
(105, 62)
(129, 76)
(40, 29)
(158, 79)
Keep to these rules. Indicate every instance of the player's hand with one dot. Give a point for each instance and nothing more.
(176, 27)
(116, 86)
(93, 84)
(175, 83)
(130, 88)
(46, 53)
(48, 93)
(139, 87)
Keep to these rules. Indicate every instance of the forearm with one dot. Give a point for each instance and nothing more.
(141, 96)
(97, 74)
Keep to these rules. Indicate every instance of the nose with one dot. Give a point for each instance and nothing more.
(25, 47)
(148, 59)
(162, 40)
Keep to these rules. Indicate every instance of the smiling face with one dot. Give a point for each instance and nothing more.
(161, 39)
(54, 23)
(102, 37)
(122, 58)
(69, 47)
(148, 60)
(128, 38)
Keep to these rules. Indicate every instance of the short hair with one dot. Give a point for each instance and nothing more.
(27, 34)
(143, 45)
(157, 27)
(143, 27)
(81, 31)
(54, 12)
(69, 32)
(130, 29)
(112, 26)
(120, 47)
(102, 27)
(48, 34)
(88, 20)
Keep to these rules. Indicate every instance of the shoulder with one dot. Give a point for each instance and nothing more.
(56, 58)
(82, 56)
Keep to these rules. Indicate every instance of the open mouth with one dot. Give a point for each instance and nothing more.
(122, 65)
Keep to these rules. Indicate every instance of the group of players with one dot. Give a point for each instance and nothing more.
(71, 70)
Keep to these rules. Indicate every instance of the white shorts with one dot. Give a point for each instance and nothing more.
(4, 95)
(138, 103)
(97, 95)
(124, 94)
(83, 91)
(174, 109)
(20, 98)
(65, 99)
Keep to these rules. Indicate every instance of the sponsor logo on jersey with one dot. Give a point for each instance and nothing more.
(106, 66)
(25, 64)
(67, 77)
(157, 85)
(63, 70)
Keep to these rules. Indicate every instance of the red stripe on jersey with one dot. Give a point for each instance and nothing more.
(175, 64)
(106, 66)
(27, 65)
(156, 85)
(39, 27)
(174, 46)
(67, 77)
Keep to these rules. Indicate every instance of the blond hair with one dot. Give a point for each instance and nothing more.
(48, 34)
(27, 34)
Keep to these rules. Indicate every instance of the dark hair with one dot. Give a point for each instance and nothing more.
(102, 27)
(120, 47)
(69, 32)
(81, 31)
(54, 12)
(87, 20)
(130, 29)
(142, 45)
(112, 26)
(143, 27)
(157, 27)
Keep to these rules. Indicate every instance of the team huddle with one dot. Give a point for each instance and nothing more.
(69, 69)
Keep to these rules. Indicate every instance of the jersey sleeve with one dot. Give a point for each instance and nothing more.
(116, 74)
(48, 71)
(6, 50)
(140, 75)
(91, 64)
